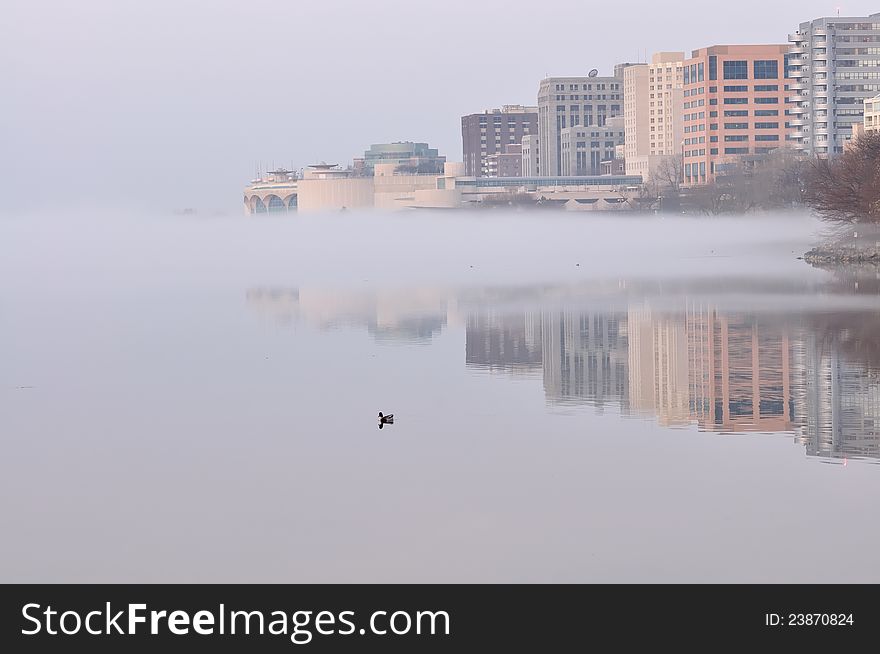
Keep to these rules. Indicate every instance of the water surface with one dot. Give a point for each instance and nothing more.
(619, 399)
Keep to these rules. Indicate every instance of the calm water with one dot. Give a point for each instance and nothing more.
(575, 399)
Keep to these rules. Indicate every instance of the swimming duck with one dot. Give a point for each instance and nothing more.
(385, 420)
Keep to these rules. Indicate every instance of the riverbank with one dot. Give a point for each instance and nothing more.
(833, 255)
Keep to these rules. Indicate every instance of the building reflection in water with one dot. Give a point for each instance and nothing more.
(723, 371)
(685, 362)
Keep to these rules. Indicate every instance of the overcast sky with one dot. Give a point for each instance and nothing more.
(168, 104)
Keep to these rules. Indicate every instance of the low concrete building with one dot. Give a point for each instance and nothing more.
(326, 187)
(584, 148)
(506, 164)
(273, 192)
(393, 191)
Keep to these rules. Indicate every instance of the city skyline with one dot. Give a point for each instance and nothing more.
(205, 116)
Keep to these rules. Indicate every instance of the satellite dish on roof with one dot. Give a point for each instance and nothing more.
(594, 72)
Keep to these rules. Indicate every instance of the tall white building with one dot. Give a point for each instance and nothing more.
(572, 102)
(652, 97)
(833, 66)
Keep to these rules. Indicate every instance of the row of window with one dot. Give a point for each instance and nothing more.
(575, 108)
(746, 125)
(601, 86)
(598, 96)
(772, 100)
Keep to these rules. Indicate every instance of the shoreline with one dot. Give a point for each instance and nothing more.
(837, 255)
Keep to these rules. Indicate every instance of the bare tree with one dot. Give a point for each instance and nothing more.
(668, 175)
(846, 188)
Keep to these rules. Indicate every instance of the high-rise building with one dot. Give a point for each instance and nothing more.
(733, 104)
(583, 149)
(835, 66)
(491, 132)
(563, 102)
(652, 101)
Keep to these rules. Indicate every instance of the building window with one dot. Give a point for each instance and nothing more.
(713, 150)
(737, 100)
(766, 100)
(766, 69)
(736, 125)
(767, 137)
(713, 67)
(736, 137)
(700, 72)
(766, 112)
(766, 87)
(766, 125)
(736, 150)
(736, 69)
(734, 114)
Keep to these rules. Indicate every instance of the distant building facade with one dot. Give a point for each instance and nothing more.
(565, 102)
(872, 114)
(273, 192)
(583, 149)
(652, 109)
(835, 67)
(411, 157)
(506, 164)
(489, 133)
(733, 104)
(530, 156)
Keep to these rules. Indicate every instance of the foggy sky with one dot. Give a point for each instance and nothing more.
(164, 105)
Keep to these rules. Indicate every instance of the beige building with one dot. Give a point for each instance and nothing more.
(530, 156)
(581, 101)
(583, 148)
(652, 97)
(326, 187)
(872, 115)
(273, 192)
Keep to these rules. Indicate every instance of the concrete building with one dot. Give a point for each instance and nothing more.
(835, 66)
(413, 157)
(273, 192)
(733, 105)
(583, 149)
(563, 102)
(530, 156)
(327, 187)
(489, 133)
(506, 164)
(652, 102)
(872, 114)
